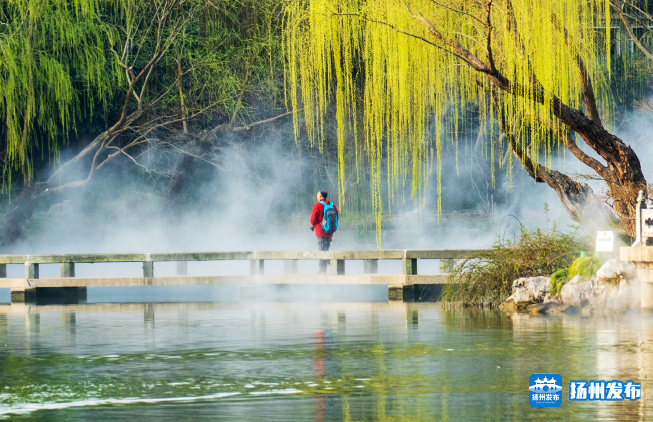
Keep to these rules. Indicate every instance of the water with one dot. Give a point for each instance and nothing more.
(307, 361)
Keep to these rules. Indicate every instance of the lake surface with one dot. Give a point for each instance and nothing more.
(319, 361)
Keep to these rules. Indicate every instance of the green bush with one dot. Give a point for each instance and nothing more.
(586, 266)
(488, 279)
(558, 279)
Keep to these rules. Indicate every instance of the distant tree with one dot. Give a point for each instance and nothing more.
(538, 69)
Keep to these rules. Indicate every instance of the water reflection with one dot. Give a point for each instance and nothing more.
(319, 361)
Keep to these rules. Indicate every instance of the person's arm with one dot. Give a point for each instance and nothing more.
(315, 216)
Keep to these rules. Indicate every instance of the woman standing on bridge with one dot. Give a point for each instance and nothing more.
(324, 221)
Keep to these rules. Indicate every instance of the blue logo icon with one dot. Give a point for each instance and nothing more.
(545, 390)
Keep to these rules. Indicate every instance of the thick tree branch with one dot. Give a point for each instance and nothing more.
(577, 198)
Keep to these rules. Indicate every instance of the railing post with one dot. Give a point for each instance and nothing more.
(337, 267)
(182, 267)
(410, 266)
(67, 269)
(31, 270)
(257, 266)
(3, 270)
(371, 266)
(290, 266)
(148, 269)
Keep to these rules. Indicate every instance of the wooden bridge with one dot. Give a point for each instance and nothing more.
(400, 286)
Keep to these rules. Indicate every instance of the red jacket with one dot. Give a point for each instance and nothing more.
(316, 218)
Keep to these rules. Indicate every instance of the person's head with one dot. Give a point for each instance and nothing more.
(321, 195)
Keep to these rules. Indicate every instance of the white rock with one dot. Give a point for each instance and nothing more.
(529, 289)
(608, 270)
(627, 270)
(576, 291)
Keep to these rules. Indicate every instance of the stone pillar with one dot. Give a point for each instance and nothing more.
(257, 266)
(290, 266)
(642, 257)
(148, 269)
(645, 276)
(410, 266)
(182, 267)
(371, 266)
(31, 270)
(337, 267)
(3, 270)
(396, 292)
(67, 269)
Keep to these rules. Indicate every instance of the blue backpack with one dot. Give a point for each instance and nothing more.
(330, 219)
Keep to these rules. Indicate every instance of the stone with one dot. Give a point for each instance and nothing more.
(549, 307)
(608, 270)
(576, 292)
(601, 295)
(511, 306)
(622, 297)
(627, 270)
(529, 289)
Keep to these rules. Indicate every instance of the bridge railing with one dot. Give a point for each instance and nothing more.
(257, 259)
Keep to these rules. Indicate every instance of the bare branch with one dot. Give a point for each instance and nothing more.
(632, 35)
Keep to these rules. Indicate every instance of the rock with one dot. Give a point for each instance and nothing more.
(623, 296)
(603, 295)
(549, 307)
(627, 270)
(613, 269)
(576, 292)
(529, 289)
(608, 270)
(510, 306)
(587, 311)
(571, 310)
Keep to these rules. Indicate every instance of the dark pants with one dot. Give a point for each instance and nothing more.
(323, 244)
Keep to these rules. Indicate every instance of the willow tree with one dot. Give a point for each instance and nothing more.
(537, 69)
(143, 74)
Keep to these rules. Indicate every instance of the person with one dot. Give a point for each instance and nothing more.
(323, 238)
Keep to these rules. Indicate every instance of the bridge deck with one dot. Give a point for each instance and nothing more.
(244, 255)
(32, 283)
(52, 282)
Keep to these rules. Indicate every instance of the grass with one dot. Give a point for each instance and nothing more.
(586, 266)
(559, 279)
(488, 279)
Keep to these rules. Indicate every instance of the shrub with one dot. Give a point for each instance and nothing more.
(488, 279)
(558, 279)
(586, 266)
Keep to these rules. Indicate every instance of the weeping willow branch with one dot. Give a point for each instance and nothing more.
(401, 60)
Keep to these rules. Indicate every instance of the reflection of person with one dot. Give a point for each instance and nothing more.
(323, 239)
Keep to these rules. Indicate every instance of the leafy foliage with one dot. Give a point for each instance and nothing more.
(586, 266)
(420, 66)
(558, 279)
(66, 64)
(489, 279)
